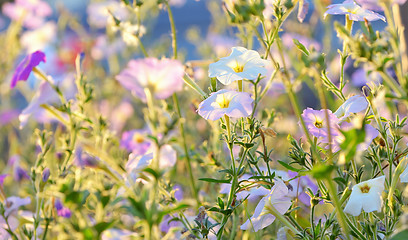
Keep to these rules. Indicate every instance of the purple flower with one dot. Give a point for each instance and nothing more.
(12, 204)
(316, 123)
(162, 77)
(61, 210)
(374, 4)
(277, 197)
(136, 141)
(83, 159)
(32, 12)
(226, 102)
(19, 173)
(2, 177)
(25, 67)
(8, 116)
(45, 174)
(354, 11)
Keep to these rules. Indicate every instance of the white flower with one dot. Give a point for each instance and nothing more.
(39, 38)
(241, 64)
(355, 104)
(277, 197)
(367, 196)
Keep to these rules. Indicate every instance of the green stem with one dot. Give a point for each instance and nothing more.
(272, 210)
(173, 30)
(184, 142)
(194, 85)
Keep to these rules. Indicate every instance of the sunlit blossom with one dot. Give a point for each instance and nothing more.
(354, 104)
(366, 196)
(316, 122)
(277, 197)
(162, 77)
(241, 64)
(39, 38)
(354, 11)
(226, 102)
(31, 12)
(136, 141)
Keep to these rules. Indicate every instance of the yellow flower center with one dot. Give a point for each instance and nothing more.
(365, 188)
(318, 123)
(238, 68)
(222, 101)
(138, 138)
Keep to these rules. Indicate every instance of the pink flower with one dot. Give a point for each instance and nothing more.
(226, 102)
(162, 77)
(33, 12)
(136, 141)
(25, 67)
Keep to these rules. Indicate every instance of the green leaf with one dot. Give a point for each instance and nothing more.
(287, 166)
(215, 180)
(352, 138)
(402, 235)
(321, 171)
(301, 47)
(102, 226)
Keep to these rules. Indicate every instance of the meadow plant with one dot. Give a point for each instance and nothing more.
(285, 120)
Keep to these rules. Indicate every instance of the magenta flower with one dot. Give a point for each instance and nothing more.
(136, 141)
(162, 77)
(32, 12)
(61, 210)
(2, 177)
(316, 123)
(226, 102)
(26, 66)
(354, 11)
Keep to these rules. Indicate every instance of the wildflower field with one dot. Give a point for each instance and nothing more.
(204, 119)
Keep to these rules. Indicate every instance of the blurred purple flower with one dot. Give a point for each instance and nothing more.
(104, 48)
(162, 77)
(303, 182)
(374, 4)
(136, 141)
(25, 67)
(12, 204)
(240, 64)
(303, 10)
(31, 12)
(45, 174)
(166, 224)
(19, 173)
(61, 210)
(2, 177)
(178, 192)
(362, 77)
(316, 123)
(354, 11)
(8, 116)
(277, 197)
(83, 159)
(116, 114)
(226, 102)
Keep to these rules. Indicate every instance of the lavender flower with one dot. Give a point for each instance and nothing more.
(136, 141)
(25, 67)
(61, 210)
(83, 159)
(241, 64)
(354, 11)
(226, 102)
(12, 204)
(45, 174)
(162, 77)
(19, 173)
(354, 104)
(2, 177)
(316, 123)
(277, 197)
(374, 4)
